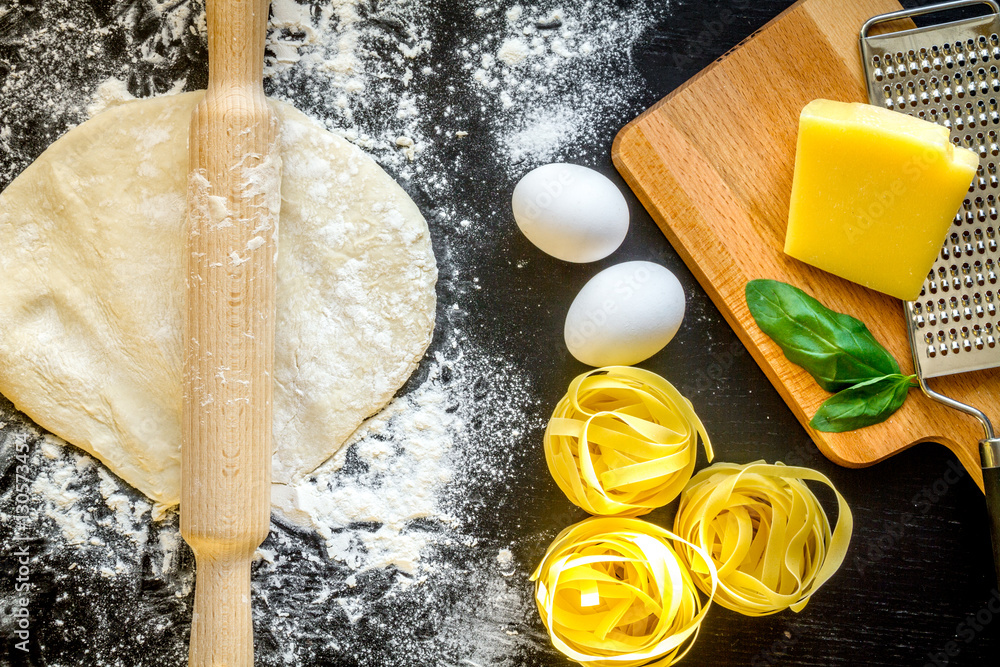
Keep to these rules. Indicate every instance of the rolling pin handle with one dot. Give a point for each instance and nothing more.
(222, 623)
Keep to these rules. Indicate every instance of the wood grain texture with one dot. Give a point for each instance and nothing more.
(233, 200)
(712, 163)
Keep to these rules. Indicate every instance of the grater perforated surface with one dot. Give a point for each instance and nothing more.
(950, 74)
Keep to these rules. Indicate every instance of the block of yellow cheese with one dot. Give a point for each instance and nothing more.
(874, 194)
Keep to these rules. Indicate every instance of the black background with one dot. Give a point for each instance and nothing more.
(919, 564)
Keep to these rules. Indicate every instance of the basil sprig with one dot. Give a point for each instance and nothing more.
(836, 349)
(866, 403)
(839, 352)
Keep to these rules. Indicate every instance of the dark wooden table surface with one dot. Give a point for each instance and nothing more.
(917, 586)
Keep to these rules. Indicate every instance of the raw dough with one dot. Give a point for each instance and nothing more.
(92, 237)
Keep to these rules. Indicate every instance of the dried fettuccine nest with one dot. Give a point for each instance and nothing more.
(623, 441)
(615, 593)
(767, 534)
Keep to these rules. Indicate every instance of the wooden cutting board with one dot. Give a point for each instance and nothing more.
(712, 163)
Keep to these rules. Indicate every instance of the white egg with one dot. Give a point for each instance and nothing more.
(624, 314)
(571, 212)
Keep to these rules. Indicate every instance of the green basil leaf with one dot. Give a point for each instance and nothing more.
(836, 349)
(864, 404)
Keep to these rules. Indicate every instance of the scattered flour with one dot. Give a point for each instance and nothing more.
(390, 512)
(403, 460)
(341, 60)
(505, 559)
(512, 52)
(548, 75)
(545, 76)
(110, 93)
(379, 557)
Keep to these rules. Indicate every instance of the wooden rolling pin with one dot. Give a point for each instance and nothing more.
(233, 201)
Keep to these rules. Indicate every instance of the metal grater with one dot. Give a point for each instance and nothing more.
(950, 74)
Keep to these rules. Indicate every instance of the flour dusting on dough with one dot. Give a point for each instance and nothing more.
(352, 258)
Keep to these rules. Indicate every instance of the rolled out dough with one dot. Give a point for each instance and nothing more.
(92, 239)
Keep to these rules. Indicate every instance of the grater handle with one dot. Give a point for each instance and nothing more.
(989, 451)
(921, 11)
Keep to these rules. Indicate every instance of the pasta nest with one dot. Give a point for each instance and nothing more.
(613, 592)
(768, 536)
(623, 441)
